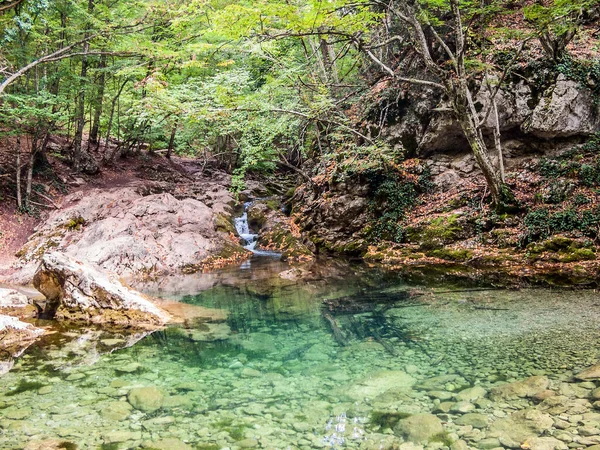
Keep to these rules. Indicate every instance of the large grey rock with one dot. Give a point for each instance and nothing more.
(520, 389)
(146, 399)
(565, 110)
(443, 134)
(419, 428)
(513, 104)
(76, 291)
(15, 336)
(125, 232)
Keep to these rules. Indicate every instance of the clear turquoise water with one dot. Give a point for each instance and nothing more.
(276, 375)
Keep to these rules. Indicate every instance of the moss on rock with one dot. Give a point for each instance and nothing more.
(437, 232)
(224, 224)
(451, 254)
(561, 249)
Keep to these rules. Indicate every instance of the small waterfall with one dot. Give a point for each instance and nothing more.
(243, 229)
(250, 239)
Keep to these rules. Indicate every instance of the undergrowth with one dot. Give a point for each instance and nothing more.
(393, 195)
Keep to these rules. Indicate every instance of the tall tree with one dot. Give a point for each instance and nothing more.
(557, 23)
(437, 34)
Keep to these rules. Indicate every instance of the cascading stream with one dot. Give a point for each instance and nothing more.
(241, 225)
(250, 239)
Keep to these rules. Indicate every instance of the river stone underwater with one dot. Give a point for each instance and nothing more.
(334, 356)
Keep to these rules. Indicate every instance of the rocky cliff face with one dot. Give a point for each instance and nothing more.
(132, 231)
(533, 122)
(335, 220)
(554, 177)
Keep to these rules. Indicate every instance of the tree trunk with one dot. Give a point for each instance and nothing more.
(82, 160)
(98, 106)
(80, 112)
(172, 140)
(18, 167)
(498, 142)
(30, 172)
(328, 58)
(468, 121)
(108, 155)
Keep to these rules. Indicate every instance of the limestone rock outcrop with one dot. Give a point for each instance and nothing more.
(16, 335)
(564, 110)
(76, 291)
(14, 303)
(131, 231)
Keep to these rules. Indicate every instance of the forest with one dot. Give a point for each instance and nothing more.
(327, 90)
(432, 106)
(299, 224)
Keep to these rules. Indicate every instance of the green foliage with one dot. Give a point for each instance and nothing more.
(541, 223)
(75, 223)
(559, 16)
(581, 199)
(572, 164)
(393, 195)
(398, 197)
(30, 112)
(585, 72)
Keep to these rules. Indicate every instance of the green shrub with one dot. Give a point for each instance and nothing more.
(541, 223)
(392, 195)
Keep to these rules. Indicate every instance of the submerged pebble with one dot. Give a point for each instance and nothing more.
(443, 375)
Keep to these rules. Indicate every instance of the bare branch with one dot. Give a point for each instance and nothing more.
(505, 73)
(407, 80)
(11, 5)
(42, 60)
(299, 114)
(72, 55)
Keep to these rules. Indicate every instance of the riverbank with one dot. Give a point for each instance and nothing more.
(409, 217)
(427, 230)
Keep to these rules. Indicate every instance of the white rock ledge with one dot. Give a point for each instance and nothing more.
(15, 334)
(80, 292)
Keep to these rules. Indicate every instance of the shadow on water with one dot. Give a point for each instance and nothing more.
(361, 316)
